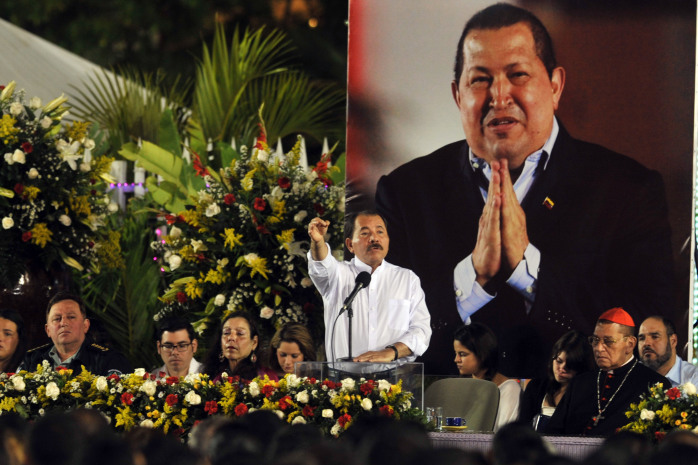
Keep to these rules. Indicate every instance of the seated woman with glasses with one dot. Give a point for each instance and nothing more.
(476, 356)
(13, 341)
(571, 355)
(292, 343)
(176, 345)
(234, 350)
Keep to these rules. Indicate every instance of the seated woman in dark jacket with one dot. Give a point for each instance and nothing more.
(571, 355)
(13, 341)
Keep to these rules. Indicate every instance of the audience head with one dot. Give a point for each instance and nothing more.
(571, 356)
(13, 439)
(292, 343)
(234, 346)
(656, 343)
(622, 448)
(614, 339)
(13, 340)
(176, 344)
(516, 443)
(66, 321)
(476, 351)
(380, 439)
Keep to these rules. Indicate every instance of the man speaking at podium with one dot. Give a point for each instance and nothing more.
(391, 321)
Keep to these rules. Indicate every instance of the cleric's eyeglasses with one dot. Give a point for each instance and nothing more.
(181, 347)
(606, 341)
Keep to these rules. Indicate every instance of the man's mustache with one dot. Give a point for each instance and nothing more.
(648, 350)
(375, 246)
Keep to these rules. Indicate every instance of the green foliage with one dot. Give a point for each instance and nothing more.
(125, 300)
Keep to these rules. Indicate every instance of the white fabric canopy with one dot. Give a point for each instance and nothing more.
(43, 69)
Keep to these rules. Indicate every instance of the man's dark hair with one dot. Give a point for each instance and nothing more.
(351, 225)
(668, 324)
(60, 297)
(502, 15)
(172, 324)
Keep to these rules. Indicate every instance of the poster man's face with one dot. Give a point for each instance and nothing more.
(505, 96)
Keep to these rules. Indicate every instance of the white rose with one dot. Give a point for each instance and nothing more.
(192, 398)
(19, 157)
(113, 207)
(8, 159)
(366, 404)
(18, 382)
(198, 245)
(65, 220)
(302, 397)
(299, 420)
(293, 381)
(16, 108)
(147, 423)
(7, 222)
(689, 388)
(327, 413)
(52, 390)
(335, 429)
(383, 385)
(89, 144)
(279, 414)
(149, 387)
(219, 300)
(253, 389)
(266, 313)
(212, 210)
(348, 384)
(34, 103)
(262, 155)
(101, 383)
(46, 122)
(33, 173)
(300, 216)
(175, 232)
(646, 414)
(140, 372)
(85, 167)
(174, 261)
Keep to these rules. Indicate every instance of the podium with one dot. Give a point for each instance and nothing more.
(411, 374)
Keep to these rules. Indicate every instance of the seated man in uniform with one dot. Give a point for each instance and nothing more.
(596, 401)
(67, 325)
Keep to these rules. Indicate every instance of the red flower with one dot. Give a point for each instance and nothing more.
(181, 297)
(229, 199)
(659, 435)
(127, 398)
(344, 421)
(261, 138)
(319, 209)
(19, 188)
(330, 384)
(285, 402)
(263, 229)
(171, 399)
(673, 393)
(90, 244)
(312, 380)
(27, 147)
(386, 410)
(199, 167)
(211, 407)
(309, 411)
(26, 236)
(114, 378)
(268, 390)
(367, 387)
(172, 380)
(284, 182)
(260, 204)
(172, 219)
(240, 410)
(147, 376)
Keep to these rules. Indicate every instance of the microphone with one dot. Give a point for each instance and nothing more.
(363, 279)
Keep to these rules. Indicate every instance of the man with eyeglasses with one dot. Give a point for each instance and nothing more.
(176, 345)
(657, 349)
(596, 402)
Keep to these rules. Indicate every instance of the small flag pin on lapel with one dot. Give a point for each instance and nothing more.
(548, 203)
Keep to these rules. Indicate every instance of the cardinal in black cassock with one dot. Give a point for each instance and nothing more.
(595, 402)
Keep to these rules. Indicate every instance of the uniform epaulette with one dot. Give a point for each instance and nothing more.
(38, 348)
(97, 346)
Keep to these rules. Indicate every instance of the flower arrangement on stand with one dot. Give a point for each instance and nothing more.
(176, 405)
(243, 243)
(53, 198)
(661, 411)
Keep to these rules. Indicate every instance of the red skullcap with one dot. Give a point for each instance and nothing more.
(618, 315)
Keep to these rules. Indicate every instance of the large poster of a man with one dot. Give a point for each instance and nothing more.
(539, 235)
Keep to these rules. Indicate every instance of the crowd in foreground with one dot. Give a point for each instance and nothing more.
(84, 437)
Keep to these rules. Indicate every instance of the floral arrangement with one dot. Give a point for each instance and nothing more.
(243, 244)
(52, 190)
(663, 410)
(175, 405)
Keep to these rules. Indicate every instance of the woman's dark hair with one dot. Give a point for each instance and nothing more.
(18, 356)
(245, 368)
(578, 358)
(292, 332)
(481, 341)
